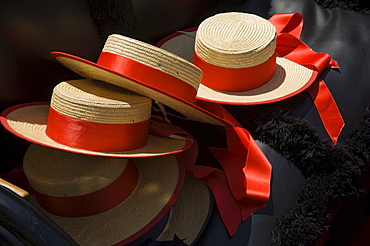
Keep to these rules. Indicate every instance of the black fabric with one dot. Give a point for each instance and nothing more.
(361, 6)
(317, 191)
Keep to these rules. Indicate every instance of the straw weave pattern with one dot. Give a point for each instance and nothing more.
(154, 57)
(185, 226)
(157, 180)
(61, 173)
(100, 102)
(182, 45)
(235, 40)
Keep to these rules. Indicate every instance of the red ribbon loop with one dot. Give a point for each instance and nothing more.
(288, 23)
(289, 28)
(242, 186)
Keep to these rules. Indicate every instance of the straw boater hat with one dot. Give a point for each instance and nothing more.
(92, 117)
(146, 70)
(113, 201)
(236, 52)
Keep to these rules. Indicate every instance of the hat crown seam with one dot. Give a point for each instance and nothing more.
(235, 40)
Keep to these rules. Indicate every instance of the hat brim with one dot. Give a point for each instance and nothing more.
(28, 121)
(165, 197)
(190, 213)
(160, 181)
(289, 80)
(91, 70)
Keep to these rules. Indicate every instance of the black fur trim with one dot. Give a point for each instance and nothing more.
(334, 178)
(362, 6)
(298, 142)
(112, 16)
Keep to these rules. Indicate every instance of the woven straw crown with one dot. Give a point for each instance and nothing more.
(235, 40)
(99, 102)
(237, 53)
(154, 57)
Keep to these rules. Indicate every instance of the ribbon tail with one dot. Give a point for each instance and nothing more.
(248, 175)
(249, 208)
(259, 172)
(333, 64)
(233, 164)
(327, 108)
(228, 207)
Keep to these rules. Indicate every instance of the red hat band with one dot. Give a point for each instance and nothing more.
(151, 77)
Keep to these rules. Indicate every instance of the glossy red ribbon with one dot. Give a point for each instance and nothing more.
(93, 203)
(96, 136)
(148, 76)
(242, 186)
(236, 80)
(289, 28)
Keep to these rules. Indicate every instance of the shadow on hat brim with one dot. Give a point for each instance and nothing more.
(160, 180)
(91, 70)
(187, 218)
(290, 78)
(28, 121)
(165, 198)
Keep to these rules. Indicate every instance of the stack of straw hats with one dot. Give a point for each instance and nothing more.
(108, 201)
(115, 178)
(105, 170)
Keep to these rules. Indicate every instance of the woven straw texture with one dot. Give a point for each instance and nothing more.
(290, 78)
(91, 70)
(158, 178)
(99, 102)
(60, 173)
(154, 57)
(182, 45)
(190, 212)
(29, 122)
(235, 40)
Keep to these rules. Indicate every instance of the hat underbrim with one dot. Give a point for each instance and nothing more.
(91, 70)
(289, 79)
(28, 121)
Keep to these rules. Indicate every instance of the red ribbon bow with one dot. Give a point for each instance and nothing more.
(289, 28)
(242, 186)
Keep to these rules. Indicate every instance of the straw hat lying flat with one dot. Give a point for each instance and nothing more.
(236, 52)
(104, 201)
(146, 70)
(92, 117)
